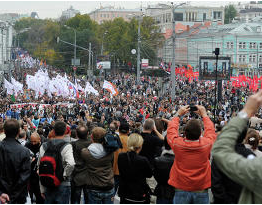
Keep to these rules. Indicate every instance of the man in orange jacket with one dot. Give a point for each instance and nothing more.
(190, 174)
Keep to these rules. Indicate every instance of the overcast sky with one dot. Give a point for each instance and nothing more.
(53, 9)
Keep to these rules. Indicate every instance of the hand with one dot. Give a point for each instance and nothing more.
(183, 110)
(253, 104)
(4, 198)
(201, 110)
(43, 195)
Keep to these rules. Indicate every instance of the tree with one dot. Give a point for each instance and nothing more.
(230, 14)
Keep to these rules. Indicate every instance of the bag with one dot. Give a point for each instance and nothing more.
(51, 166)
(112, 142)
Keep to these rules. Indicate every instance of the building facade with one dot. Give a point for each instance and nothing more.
(69, 13)
(110, 13)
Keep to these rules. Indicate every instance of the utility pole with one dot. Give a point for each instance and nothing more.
(138, 51)
(75, 56)
(89, 60)
(173, 69)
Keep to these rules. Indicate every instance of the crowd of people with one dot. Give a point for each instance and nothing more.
(54, 148)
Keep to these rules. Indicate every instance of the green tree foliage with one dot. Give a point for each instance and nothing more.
(118, 37)
(230, 13)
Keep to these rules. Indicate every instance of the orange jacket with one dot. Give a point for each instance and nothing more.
(123, 139)
(191, 169)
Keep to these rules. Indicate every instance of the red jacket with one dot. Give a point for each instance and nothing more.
(191, 168)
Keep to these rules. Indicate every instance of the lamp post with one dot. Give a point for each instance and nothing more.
(102, 46)
(74, 48)
(138, 52)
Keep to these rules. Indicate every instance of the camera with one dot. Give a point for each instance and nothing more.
(193, 108)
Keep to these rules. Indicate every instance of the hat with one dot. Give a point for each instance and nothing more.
(124, 127)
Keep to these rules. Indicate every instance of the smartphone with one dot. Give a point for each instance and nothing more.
(193, 108)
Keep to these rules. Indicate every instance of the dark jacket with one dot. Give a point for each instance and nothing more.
(79, 172)
(14, 170)
(133, 174)
(99, 168)
(151, 146)
(224, 189)
(162, 167)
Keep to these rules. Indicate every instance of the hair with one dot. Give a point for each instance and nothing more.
(22, 134)
(11, 128)
(149, 124)
(135, 142)
(193, 129)
(1, 127)
(98, 134)
(124, 128)
(40, 131)
(252, 138)
(159, 125)
(82, 132)
(59, 128)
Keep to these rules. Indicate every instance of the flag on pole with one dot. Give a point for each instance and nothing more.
(110, 87)
(13, 98)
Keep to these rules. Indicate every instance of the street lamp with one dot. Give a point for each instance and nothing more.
(74, 49)
(102, 47)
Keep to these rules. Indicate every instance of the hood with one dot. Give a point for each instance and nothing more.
(97, 150)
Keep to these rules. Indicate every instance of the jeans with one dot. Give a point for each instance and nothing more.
(76, 194)
(58, 195)
(187, 197)
(116, 180)
(101, 197)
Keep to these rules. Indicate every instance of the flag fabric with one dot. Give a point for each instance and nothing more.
(13, 98)
(110, 87)
(9, 87)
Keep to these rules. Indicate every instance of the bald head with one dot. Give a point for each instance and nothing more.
(35, 138)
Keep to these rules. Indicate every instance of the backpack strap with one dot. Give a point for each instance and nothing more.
(59, 146)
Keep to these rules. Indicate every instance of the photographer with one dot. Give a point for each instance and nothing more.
(191, 171)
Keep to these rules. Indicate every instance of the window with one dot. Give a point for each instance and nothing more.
(178, 16)
(204, 16)
(242, 45)
(260, 59)
(101, 15)
(252, 45)
(230, 45)
(242, 58)
(260, 46)
(252, 58)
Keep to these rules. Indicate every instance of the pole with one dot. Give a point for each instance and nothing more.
(215, 106)
(89, 59)
(138, 52)
(102, 46)
(173, 74)
(75, 55)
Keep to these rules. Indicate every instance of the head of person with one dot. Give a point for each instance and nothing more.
(112, 127)
(124, 128)
(192, 129)
(35, 139)
(60, 129)
(82, 132)
(149, 125)
(252, 138)
(11, 128)
(40, 131)
(135, 142)
(22, 134)
(98, 134)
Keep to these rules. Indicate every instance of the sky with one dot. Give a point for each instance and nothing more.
(53, 9)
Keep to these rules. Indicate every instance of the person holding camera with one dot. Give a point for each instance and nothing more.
(190, 174)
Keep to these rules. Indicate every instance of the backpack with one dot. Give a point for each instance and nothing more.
(51, 166)
(112, 142)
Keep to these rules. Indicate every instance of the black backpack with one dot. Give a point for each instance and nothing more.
(112, 142)
(51, 166)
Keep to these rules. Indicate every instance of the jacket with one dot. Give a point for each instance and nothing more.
(67, 161)
(243, 171)
(225, 190)
(133, 174)
(79, 173)
(162, 169)
(191, 169)
(99, 167)
(15, 170)
(123, 139)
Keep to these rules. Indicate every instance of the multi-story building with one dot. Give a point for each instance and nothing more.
(240, 41)
(69, 13)
(110, 13)
(12, 17)
(186, 15)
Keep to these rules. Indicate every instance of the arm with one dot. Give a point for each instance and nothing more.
(160, 136)
(68, 158)
(209, 129)
(243, 171)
